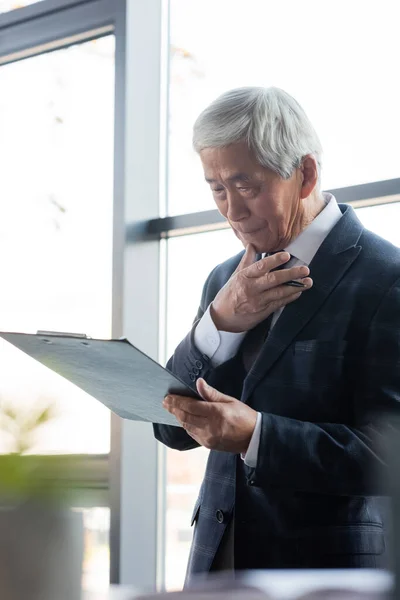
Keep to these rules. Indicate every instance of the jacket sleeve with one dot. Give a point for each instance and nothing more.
(329, 458)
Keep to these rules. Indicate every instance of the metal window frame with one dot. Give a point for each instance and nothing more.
(136, 460)
(36, 10)
(44, 27)
(53, 24)
(367, 194)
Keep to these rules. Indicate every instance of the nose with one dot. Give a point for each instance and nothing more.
(236, 207)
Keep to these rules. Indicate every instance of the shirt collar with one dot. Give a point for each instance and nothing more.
(306, 245)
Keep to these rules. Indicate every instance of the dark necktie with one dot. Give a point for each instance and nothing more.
(285, 265)
(255, 338)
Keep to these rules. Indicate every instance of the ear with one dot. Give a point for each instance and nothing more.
(309, 170)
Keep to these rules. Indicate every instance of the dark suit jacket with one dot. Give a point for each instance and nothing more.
(328, 368)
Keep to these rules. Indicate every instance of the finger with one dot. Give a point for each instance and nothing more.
(209, 393)
(201, 388)
(189, 405)
(277, 278)
(189, 421)
(260, 267)
(248, 258)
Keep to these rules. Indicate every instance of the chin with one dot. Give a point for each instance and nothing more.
(260, 245)
(262, 249)
(259, 240)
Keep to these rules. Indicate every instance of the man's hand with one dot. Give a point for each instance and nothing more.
(219, 423)
(254, 292)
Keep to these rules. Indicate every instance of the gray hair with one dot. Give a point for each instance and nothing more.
(272, 123)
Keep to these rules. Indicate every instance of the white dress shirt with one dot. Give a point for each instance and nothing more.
(220, 346)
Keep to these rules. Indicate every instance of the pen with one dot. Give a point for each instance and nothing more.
(294, 284)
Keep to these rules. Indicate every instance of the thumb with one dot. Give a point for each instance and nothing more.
(209, 393)
(248, 258)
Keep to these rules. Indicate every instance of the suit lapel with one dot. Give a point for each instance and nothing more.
(333, 259)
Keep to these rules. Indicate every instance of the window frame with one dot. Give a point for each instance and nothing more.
(367, 194)
(140, 30)
(48, 26)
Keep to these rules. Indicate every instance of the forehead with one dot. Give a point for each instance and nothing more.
(229, 162)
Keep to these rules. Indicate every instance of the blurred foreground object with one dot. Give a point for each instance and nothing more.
(115, 592)
(348, 584)
(41, 538)
(40, 553)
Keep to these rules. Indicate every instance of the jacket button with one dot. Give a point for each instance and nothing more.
(219, 516)
(195, 371)
(192, 377)
(199, 364)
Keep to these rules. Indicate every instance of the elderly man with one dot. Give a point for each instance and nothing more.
(298, 340)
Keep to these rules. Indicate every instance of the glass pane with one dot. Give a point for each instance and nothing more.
(56, 193)
(184, 475)
(190, 260)
(350, 92)
(96, 559)
(383, 220)
(7, 5)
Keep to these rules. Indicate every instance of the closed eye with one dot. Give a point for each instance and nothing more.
(246, 189)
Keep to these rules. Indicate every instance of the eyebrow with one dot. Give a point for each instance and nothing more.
(232, 178)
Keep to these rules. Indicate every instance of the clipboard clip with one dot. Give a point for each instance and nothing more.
(81, 336)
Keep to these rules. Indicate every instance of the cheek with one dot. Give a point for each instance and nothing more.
(238, 236)
(221, 206)
(271, 209)
(268, 207)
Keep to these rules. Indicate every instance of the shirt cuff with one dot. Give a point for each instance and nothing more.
(219, 346)
(251, 456)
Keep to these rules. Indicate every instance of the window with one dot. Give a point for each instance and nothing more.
(96, 564)
(7, 5)
(218, 46)
(184, 476)
(190, 260)
(350, 92)
(382, 220)
(56, 193)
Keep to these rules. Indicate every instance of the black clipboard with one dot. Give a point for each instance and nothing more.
(114, 372)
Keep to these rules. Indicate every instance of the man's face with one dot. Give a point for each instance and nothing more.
(262, 208)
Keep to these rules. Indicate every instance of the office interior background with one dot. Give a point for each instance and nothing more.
(107, 227)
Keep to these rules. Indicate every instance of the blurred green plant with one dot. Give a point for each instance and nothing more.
(27, 477)
(22, 426)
